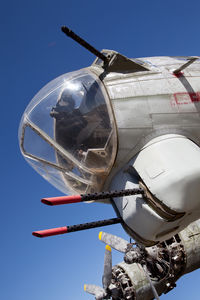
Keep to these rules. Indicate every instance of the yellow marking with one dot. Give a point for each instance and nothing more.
(100, 234)
(108, 248)
(84, 287)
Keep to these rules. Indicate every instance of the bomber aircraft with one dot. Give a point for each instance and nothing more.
(125, 132)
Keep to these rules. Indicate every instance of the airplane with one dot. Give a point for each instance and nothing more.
(123, 132)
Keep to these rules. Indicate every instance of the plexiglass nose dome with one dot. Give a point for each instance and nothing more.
(67, 133)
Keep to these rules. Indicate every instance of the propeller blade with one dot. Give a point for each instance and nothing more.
(95, 290)
(107, 273)
(113, 241)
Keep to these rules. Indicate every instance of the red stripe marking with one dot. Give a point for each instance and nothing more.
(179, 74)
(187, 98)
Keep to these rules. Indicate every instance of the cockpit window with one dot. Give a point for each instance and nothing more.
(68, 127)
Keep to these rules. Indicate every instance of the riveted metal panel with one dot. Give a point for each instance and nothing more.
(132, 113)
(128, 90)
(190, 238)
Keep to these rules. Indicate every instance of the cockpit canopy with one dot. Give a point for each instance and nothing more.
(67, 133)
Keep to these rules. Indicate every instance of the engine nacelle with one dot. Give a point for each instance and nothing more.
(183, 253)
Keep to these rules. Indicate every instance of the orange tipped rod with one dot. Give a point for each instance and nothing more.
(90, 197)
(73, 228)
(62, 200)
(50, 232)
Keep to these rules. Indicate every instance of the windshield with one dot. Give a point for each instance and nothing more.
(67, 133)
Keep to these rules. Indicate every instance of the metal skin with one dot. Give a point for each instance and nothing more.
(174, 258)
(156, 108)
(154, 105)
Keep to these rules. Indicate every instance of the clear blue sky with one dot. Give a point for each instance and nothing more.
(34, 51)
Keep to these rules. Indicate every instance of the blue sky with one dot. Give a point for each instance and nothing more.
(34, 51)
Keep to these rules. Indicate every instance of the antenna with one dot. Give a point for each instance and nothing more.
(83, 43)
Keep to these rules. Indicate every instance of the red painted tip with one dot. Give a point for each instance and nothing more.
(50, 232)
(62, 200)
(46, 201)
(37, 233)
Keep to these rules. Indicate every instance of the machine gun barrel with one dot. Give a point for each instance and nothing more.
(73, 228)
(83, 43)
(90, 197)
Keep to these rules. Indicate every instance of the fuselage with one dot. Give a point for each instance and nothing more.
(156, 109)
